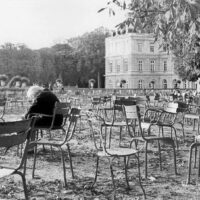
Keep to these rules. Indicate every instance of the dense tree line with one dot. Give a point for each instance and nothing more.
(74, 62)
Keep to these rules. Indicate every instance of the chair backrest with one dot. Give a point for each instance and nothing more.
(119, 103)
(15, 133)
(74, 115)
(133, 113)
(118, 108)
(61, 108)
(171, 107)
(94, 122)
(96, 100)
(182, 107)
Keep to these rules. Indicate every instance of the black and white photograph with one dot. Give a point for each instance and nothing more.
(99, 99)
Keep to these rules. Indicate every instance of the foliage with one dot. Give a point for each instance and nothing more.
(175, 24)
(89, 51)
(74, 62)
(3, 77)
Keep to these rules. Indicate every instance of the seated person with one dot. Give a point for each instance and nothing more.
(43, 103)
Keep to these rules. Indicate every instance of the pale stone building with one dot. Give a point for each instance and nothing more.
(136, 59)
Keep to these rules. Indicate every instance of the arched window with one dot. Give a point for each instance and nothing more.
(140, 84)
(164, 84)
(152, 84)
(174, 83)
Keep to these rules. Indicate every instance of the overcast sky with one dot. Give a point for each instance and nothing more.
(42, 23)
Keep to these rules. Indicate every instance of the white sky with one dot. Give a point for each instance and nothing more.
(42, 23)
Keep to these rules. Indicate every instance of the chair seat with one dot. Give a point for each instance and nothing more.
(6, 172)
(166, 140)
(54, 141)
(191, 116)
(48, 127)
(123, 123)
(169, 124)
(118, 152)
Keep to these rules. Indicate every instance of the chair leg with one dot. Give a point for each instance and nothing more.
(199, 164)
(174, 151)
(195, 157)
(96, 172)
(34, 161)
(63, 163)
(110, 135)
(139, 176)
(175, 136)
(162, 131)
(190, 162)
(159, 151)
(70, 160)
(146, 145)
(112, 174)
(24, 184)
(126, 170)
(194, 125)
(120, 135)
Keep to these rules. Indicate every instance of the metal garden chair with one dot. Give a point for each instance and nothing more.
(114, 117)
(68, 131)
(2, 108)
(111, 152)
(194, 146)
(146, 136)
(12, 134)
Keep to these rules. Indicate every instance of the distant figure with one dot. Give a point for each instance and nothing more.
(43, 102)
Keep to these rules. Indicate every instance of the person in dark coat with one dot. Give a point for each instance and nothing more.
(43, 103)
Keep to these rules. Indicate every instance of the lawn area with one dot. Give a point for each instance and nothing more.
(48, 183)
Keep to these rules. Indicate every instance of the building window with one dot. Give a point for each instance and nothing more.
(152, 65)
(164, 84)
(152, 84)
(140, 65)
(174, 83)
(110, 85)
(139, 47)
(184, 84)
(140, 84)
(117, 84)
(110, 66)
(151, 48)
(118, 67)
(165, 66)
(125, 65)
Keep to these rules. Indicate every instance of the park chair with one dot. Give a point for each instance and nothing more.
(194, 146)
(12, 134)
(168, 119)
(111, 152)
(181, 112)
(193, 114)
(2, 108)
(146, 136)
(68, 133)
(96, 102)
(114, 117)
(60, 108)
